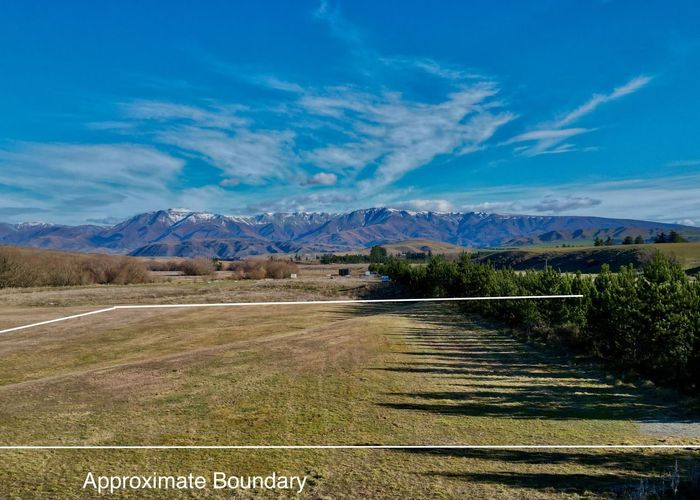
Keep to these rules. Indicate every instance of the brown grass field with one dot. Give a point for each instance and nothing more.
(350, 374)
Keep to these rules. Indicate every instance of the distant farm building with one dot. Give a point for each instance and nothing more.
(344, 272)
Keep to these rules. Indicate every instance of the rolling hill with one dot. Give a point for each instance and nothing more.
(179, 232)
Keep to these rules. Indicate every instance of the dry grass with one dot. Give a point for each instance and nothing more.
(23, 267)
(319, 374)
(687, 254)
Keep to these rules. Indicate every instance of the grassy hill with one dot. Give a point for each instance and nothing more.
(590, 259)
(421, 245)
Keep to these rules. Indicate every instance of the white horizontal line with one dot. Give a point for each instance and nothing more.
(346, 301)
(359, 447)
(289, 303)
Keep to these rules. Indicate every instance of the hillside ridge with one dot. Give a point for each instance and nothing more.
(186, 233)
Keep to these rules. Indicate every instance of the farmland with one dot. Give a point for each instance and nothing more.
(350, 374)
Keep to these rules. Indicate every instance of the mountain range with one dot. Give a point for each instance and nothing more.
(180, 232)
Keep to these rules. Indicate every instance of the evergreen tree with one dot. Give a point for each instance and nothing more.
(660, 238)
(639, 240)
(628, 240)
(377, 254)
(674, 237)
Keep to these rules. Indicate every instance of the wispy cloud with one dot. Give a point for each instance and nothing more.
(13, 211)
(72, 179)
(683, 163)
(423, 205)
(105, 221)
(216, 116)
(322, 179)
(431, 67)
(492, 207)
(229, 182)
(29, 164)
(568, 203)
(252, 157)
(249, 75)
(598, 99)
(316, 202)
(329, 13)
(397, 136)
(546, 139)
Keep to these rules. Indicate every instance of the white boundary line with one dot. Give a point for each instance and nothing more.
(23, 327)
(323, 447)
(289, 303)
(360, 447)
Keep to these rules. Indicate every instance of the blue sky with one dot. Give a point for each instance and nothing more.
(543, 107)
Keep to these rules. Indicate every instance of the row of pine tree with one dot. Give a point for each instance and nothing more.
(646, 321)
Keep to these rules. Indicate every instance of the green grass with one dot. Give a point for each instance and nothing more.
(315, 375)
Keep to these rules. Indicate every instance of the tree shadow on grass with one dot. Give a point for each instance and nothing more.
(488, 373)
(484, 372)
(608, 473)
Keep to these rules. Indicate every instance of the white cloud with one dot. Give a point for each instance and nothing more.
(214, 117)
(399, 136)
(322, 179)
(249, 75)
(347, 156)
(31, 164)
(552, 134)
(664, 199)
(493, 207)
(430, 67)
(589, 106)
(683, 163)
(252, 157)
(230, 182)
(426, 205)
(546, 138)
(16, 211)
(70, 180)
(568, 203)
(313, 202)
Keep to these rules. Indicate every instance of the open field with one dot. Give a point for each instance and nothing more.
(359, 374)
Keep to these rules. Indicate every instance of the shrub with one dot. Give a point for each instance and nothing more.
(165, 265)
(261, 269)
(23, 267)
(197, 267)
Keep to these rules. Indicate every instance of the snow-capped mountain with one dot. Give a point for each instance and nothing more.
(181, 232)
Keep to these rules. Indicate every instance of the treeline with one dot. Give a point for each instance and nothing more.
(647, 321)
(24, 267)
(671, 237)
(377, 254)
(355, 258)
